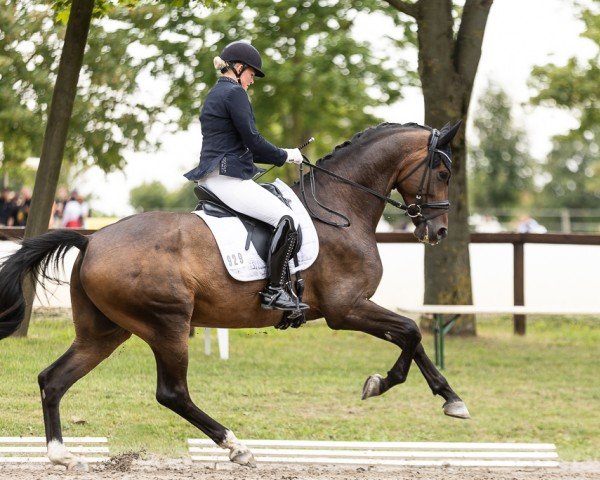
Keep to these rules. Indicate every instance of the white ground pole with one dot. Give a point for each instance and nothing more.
(422, 454)
(34, 449)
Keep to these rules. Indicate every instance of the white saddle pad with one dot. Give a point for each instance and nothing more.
(246, 265)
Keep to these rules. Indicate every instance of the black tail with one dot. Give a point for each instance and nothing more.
(34, 256)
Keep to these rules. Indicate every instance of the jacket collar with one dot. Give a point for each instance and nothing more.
(227, 79)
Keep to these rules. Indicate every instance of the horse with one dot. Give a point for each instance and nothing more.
(157, 274)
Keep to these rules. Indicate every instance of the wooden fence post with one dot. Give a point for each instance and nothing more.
(520, 321)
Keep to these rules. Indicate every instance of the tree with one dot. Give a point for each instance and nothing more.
(59, 116)
(501, 169)
(449, 48)
(319, 79)
(55, 137)
(573, 165)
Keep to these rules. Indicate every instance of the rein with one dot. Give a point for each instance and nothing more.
(414, 210)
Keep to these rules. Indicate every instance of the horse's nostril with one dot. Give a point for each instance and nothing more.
(442, 232)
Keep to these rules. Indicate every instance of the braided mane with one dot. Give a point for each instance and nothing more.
(367, 135)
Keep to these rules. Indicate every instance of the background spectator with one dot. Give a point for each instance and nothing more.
(75, 211)
(8, 208)
(529, 225)
(22, 207)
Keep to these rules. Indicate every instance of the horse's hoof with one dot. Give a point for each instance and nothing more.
(456, 409)
(243, 457)
(79, 466)
(373, 386)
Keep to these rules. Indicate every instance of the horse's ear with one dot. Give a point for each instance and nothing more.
(448, 132)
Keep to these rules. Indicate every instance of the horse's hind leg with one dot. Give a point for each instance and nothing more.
(172, 391)
(96, 338)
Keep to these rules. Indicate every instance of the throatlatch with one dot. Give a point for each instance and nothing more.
(279, 294)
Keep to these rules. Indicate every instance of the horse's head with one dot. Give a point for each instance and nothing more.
(423, 182)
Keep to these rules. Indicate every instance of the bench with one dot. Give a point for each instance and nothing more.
(442, 325)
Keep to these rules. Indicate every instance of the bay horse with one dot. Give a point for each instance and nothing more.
(157, 274)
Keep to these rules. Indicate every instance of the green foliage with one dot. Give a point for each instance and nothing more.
(148, 196)
(155, 196)
(501, 169)
(182, 199)
(108, 116)
(25, 36)
(319, 80)
(306, 384)
(573, 165)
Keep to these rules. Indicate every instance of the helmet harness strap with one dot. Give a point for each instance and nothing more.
(235, 72)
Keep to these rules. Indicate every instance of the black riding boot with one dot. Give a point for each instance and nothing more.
(276, 295)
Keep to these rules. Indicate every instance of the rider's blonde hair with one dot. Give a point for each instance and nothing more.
(219, 63)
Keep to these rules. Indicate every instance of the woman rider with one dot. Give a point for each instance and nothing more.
(231, 144)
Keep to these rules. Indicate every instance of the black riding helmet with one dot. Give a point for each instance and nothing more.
(243, 53)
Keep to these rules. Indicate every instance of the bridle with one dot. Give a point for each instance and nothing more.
(414, 210)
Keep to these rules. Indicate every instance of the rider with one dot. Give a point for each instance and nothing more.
(231, 144)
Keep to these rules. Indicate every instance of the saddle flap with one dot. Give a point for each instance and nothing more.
(203, 193)
(215, 210)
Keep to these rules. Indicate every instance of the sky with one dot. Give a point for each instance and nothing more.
(519, 35)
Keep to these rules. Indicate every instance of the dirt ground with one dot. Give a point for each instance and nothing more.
(128, 467)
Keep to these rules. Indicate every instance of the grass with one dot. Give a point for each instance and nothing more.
(306, 384)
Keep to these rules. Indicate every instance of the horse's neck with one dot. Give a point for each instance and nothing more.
(376, 174)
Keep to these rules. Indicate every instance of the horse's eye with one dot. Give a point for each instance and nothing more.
(444, 176)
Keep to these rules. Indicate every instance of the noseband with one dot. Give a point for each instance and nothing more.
(414, 210)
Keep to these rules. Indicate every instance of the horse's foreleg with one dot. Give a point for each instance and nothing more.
(172, 392)
(453, 406)
(370, 318)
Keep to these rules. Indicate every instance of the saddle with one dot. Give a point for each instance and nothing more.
(259, 233)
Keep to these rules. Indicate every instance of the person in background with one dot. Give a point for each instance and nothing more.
(8, 208)
(62, 197)
(73, 213)
(22, 205)
(529, 225)
(85, 210)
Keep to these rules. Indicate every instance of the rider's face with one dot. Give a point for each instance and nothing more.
(247, 77)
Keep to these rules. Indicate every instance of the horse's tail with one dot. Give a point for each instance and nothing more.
(34, 256)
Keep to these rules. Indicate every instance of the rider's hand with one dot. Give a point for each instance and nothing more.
(293, 155)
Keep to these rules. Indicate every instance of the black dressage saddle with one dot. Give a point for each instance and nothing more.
(259, 233)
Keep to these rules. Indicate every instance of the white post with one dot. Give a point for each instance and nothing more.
(223, 338)
(207, 341)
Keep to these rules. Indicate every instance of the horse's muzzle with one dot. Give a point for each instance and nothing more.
(428, 232)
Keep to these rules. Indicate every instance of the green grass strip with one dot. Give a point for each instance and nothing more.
(306, 384)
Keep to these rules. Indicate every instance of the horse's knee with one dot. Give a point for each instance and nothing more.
(414, 332)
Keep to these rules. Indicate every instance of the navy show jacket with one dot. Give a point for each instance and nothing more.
(230, 139)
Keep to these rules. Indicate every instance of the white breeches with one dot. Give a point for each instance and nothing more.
(248, 197)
